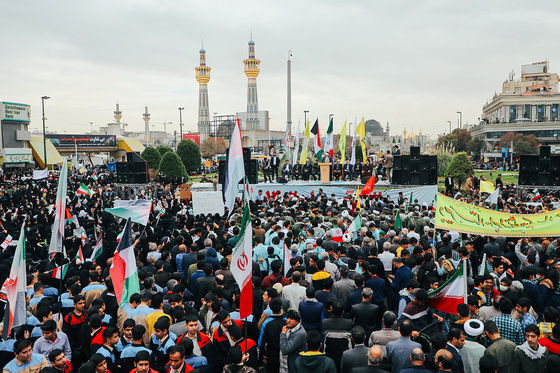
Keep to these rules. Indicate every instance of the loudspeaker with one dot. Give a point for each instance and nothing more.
(251, 170)
(414, 165)
(433, 163)
(222, 171)
(396, 179)
(281, 180)
(139, 167)
(523, 178)
(544, 165)
(555, 178)
(544, 151)
(524, 163)
(544, 178)
(134, 157)
(425, 177)
(405, 163)
(405, 178)
(397, 162)
(424, 162)
(414, 152)
(534, 162)
(415, 178)
(555, 163)
(246, 154)
(533, 178)
(130, 167)
(433, 177)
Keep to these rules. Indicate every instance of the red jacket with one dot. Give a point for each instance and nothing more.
(551, 345)
(274, 278)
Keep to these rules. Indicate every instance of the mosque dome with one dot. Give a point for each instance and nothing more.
(251, 42)
(202, 50)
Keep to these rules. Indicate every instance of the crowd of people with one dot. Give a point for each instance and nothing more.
(322, 301)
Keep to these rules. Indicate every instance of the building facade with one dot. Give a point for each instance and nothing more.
(528, 106)
(14, 135)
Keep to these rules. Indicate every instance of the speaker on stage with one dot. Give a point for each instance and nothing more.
(405, 163)
(544, 165)
(534, 162)
(222, 171)
(281, 180)
(364, 180)
(544, 178)
(544, 151)
(397, 164)
(555, 178)
(414, 152)
(415, 165)
(415, 178)
(555, 163)
(424, 162)
(396, 179)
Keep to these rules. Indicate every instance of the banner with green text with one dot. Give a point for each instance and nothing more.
(461, 217)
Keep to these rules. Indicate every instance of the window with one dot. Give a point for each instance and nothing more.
(512, 113)
(527, 113)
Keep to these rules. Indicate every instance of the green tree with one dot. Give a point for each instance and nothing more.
(190, 154)
(523, 147)
(152, 156)
(162, 149)
(475, 145)
(460, 168)
(171, 165)
(458, 138)
(359, 155)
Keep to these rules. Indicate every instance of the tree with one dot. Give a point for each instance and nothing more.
(458, 138)
(523, 147)
(152, 156)
(529, 146)
(208, 148)
(475, 145)
(359, 154)
(460, 168)
(190, 154)
(162, 149)
(172, 166)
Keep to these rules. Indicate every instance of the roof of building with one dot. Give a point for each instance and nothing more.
(251, 42)
(202, 50)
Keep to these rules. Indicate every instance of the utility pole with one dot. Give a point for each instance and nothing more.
(181, 120)
(175, 139)
(44, 131)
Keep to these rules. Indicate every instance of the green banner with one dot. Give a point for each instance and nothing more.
(461, 217)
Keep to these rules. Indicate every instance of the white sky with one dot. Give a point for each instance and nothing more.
(407, 62)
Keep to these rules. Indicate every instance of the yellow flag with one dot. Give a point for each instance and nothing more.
(357, 200)
(486, 187)
(361, 131)
(342, 144)
(306, 137)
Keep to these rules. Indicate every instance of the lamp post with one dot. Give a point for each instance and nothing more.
(216, 137)
(461, 115)
(44, 132)
(449, 125)
(305, 117)
(181, 121)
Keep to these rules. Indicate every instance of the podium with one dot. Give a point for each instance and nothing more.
(325, 172)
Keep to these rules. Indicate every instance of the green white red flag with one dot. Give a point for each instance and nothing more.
(242, 264)
(329, 142)
(60, 272)
(235, 168)
(57, 235)
(83, 189)
(14, 287)
(124, 271)
(453, 292)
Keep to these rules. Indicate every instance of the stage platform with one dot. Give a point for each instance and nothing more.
(341, 189)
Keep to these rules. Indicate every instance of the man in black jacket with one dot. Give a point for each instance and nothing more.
(364, 314)
(269, 342)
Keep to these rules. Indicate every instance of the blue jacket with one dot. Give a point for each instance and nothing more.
(402, 276)
(311, 314)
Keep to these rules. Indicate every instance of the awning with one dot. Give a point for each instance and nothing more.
(53, 156)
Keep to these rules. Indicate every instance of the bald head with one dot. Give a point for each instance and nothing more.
(444, 359)
(417, 356)
(374, 355)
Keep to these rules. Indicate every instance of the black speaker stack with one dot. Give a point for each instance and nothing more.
(414, 169)
(133, 171)
(251, 167)
(541, 169)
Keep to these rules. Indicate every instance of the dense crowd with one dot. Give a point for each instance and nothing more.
(323, 301)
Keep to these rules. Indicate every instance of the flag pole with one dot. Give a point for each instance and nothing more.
(465, 280)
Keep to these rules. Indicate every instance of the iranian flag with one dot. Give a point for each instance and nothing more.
(536, 194)
(98, 249)
(242, 264)
(83, 189)
(14, 287)
(287, 257)
(453, 292)
(6, 242)
(124, 271)
(355, 227)
(235, 168)
(57, 235)
(336, 234)
(60, 272)
(329, 142)
(317, 141)
(483, 269)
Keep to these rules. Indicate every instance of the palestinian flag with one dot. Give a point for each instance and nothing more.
(60, 272)
(97, 250)
(94, 177)
(317, 141)
(242, 264)
(124, 271)
(329, 142)
(80, 254)
(453, 292)
(536, 194)
(83, 189)
(83, 236)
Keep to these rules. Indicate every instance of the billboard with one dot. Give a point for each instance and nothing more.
(192, 136)
(87, 141)
(15, 112)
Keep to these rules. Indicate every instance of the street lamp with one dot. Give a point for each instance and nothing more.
(449, 125)
(44, 132)
(461, 114)
(181, 121)
(305, 117)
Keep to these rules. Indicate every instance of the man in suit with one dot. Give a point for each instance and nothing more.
(373, 358)
(266, 169)
(287, 170)
(382, 337)
(357, 356)
(449, 185)
(274, 164)
(388, 165)
(499, 183)
(337, 170)
(296, 172)
(365, 314)
(398, 351)
(417, 360)
(357, 170)
(306, 170)
(347, 171)
(455, 342)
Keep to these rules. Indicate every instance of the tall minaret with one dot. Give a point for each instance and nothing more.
(146, 116)
(252, 71)
(115, 128)
(203, 77)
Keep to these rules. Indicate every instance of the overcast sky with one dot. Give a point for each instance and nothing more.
(411, 63)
